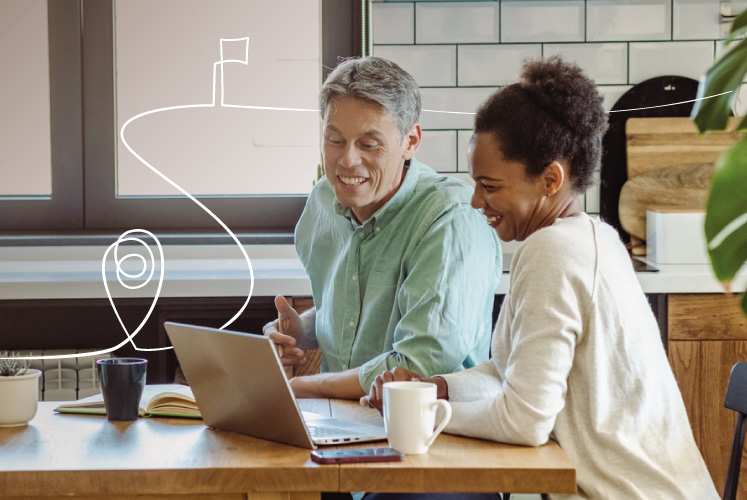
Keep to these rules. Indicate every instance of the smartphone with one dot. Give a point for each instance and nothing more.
(356, 455)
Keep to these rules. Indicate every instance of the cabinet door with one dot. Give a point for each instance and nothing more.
(707, 336)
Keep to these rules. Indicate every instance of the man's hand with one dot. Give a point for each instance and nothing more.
(289, 323)
(375, 398)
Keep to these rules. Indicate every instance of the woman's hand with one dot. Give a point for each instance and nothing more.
(285, 333)
(375, 398)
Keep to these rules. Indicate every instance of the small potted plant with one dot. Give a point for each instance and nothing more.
(19, 390)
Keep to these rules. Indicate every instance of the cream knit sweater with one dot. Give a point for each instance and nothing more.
(577, 358)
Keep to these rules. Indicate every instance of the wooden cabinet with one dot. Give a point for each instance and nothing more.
(707, 335)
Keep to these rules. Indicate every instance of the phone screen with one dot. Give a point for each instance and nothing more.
(356, 455)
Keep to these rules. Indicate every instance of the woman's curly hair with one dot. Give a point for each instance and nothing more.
(554, 111)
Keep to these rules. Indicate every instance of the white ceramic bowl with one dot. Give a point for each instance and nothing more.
(18, 398)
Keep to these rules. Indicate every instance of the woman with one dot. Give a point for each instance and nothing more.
(577, 355)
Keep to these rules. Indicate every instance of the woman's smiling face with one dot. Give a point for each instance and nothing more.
(514, 204)
(364, 158)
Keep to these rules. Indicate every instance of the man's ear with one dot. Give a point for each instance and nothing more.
(553, 177)
(412, 141)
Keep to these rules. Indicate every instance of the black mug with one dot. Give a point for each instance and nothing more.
(122, 382)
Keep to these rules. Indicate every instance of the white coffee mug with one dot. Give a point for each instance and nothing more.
(410, 415)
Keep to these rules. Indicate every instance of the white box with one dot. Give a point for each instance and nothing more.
(676, 237)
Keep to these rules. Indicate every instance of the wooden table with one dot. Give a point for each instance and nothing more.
(63, 456)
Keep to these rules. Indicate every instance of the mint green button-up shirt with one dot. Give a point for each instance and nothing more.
(412, 286)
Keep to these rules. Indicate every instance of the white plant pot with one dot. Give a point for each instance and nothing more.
(19, 396)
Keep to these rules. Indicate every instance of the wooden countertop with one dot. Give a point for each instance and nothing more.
(57, 456)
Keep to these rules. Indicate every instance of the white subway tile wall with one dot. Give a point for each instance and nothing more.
(617, 20)
(438, 149)
(393, 23)
(699, 19)
(463, 137)
(459, 105)
(693, 20)
(492, 65)
(456, 22)
(606, 63)
(611, 94)
(430, 65)
(542, 21)
(690, 59)
(461, 52)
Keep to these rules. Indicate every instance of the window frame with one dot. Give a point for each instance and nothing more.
(82, 69)
(64, 209)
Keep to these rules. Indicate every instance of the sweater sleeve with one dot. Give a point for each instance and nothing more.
(539, 326)
(480, 382)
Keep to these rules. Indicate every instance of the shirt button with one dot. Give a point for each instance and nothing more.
(361, 234)
(378, 229)
(355, 277)
(344, 366)
(351, 324)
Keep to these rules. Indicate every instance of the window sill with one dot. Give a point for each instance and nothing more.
(74, 272)
(105, 240)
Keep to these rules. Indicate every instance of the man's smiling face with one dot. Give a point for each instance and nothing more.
(364, 158)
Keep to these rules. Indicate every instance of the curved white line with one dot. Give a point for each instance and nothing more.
(616, 111)
(115, 245)
(672, 104)
(197, 202)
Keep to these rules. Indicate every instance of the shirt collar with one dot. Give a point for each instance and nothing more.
(387, 212)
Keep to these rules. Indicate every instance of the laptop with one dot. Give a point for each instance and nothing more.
(240, 386)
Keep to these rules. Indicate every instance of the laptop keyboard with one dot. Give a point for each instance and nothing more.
(323, 431)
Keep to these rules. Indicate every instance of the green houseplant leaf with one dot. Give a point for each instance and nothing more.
(726, 208)
(726, 213)
(739, 24)
(724, 77)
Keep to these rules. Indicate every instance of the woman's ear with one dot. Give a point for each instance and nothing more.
(553, 177)
(412, 141)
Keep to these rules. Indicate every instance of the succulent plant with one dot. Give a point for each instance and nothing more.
(11, 366)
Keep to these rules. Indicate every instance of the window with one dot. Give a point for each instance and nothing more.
(251, 167)
(40, 128)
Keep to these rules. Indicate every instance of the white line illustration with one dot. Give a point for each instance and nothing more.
(615, 111)
(672, 104)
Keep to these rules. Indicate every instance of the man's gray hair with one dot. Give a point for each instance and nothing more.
(376, 80)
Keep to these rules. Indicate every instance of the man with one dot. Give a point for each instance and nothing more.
(389, 246)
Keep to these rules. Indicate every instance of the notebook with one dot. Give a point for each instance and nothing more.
(240, 386)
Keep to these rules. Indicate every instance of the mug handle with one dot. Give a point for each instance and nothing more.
(447, 410)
